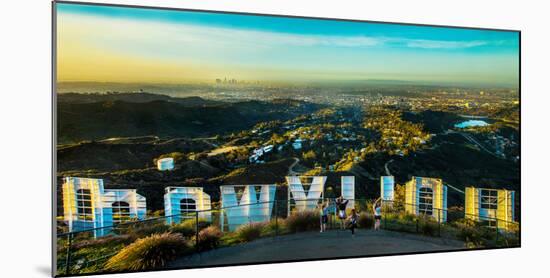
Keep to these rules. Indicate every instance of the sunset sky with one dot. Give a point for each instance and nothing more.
(118, 44)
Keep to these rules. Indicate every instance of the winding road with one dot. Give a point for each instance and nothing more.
(388, 173)
(291, 171)
(472, 140)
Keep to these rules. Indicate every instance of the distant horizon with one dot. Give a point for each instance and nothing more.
(136, 45)
(365, 84)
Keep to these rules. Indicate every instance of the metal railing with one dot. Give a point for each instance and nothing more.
(454, 223)
(81, 252)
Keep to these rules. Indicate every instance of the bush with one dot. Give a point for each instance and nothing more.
(394, 222)
(428, 227)
(407, 217)
(149, 253)
(209, 238)
(365, 221)
(202, 223)
(184, 229)
(473, 233)
(188, 228)
(103, 241)
(249, 232)
(303, 221)
(274, 227)
(507, 240)
(144, 229)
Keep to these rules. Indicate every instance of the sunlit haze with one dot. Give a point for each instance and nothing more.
(117, 44)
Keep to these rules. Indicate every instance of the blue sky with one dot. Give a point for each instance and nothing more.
(178, 46)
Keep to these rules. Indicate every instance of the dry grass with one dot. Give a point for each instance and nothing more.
(150, 252)
(209, 238)
(303, 221)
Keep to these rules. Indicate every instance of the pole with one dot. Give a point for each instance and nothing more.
(68, 258)
(496, 230)
(197, 230)
(276, 217)
(384, 215)
(439, 221)
(288, 202)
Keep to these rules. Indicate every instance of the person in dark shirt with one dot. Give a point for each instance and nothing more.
(341, 205)
(324, 215)
(353, 217)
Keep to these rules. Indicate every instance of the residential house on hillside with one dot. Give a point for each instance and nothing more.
(165, 164)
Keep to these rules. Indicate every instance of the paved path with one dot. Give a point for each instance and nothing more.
(388, 173)
(291, 171)
(473, 140)
(314, 245)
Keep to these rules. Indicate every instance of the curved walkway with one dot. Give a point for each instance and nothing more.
(291, 171)
(388, 173)
(314, 245)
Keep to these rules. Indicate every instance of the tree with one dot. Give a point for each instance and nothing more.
(277, 139)
(310, 155)
(399, 197)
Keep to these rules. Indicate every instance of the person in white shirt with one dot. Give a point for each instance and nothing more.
(377, 208)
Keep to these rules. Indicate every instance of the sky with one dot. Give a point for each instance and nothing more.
(122, 44)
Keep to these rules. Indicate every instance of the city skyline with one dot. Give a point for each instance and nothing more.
(120, 44)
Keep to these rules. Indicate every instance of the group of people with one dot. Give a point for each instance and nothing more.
(347, 222)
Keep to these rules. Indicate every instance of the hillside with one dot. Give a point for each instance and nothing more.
(433, 121)
(123, 154)
(456, 162)
(79, 121)
(509, 113)
(268, 173)
(141, 97)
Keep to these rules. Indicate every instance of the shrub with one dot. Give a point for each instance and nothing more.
(365, 221)
(407, 217)
(209, 238)
(507, 240)
(188, 228)
(274, 226)
(400, 222)
(473, 233)
(428, 227)
(149, 253)
(144, 229)
(249, 232)
(202, 223)
(184, 229)
(303, 221)
(103, 241)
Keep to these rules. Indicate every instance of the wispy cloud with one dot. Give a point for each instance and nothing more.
(125, 31)
(106, 48)
(433, 44)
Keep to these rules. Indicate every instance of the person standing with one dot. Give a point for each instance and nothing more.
(377, 208)
(324, 216)
(353, 217)
(341, 205)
